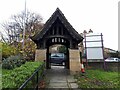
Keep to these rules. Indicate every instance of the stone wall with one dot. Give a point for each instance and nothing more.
(112, 66)
(109, 66)
(74, 58)
(40, 54)
(94, 65)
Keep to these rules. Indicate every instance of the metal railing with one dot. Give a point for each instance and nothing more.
(38, 75)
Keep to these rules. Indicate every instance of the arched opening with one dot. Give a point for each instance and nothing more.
(57, 52)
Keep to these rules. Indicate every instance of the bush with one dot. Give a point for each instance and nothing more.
(62, 49)
(12, 62)
(8, 50)
(16, 77)
(29, 50)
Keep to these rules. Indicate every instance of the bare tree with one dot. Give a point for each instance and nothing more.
(2, 38)
(14, 28)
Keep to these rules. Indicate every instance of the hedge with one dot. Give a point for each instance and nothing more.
(16, 77)
(12, 62)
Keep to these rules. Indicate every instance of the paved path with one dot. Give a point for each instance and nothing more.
(59, 77)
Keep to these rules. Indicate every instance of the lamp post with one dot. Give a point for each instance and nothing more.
(24, 26)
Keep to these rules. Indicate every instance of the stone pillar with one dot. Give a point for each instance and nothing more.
(74, 58)
(40, 54)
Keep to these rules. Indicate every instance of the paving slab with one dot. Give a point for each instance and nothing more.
(58, 85)
(58, 80)
(73, 85)
(58, 77)
(71, 79)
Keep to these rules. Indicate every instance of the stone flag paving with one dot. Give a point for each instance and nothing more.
(59, 77)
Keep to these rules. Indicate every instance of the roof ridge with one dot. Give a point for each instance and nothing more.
(58, 13)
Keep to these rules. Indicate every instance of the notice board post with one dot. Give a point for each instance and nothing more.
(94, 48)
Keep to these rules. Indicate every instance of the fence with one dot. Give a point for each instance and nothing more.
(35, 78)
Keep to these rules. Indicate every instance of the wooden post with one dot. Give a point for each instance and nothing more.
(86, 50)
(104, 65)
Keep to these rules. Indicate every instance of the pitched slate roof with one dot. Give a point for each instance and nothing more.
(51, 20)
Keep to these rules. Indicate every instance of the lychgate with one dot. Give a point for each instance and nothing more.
(57, 30)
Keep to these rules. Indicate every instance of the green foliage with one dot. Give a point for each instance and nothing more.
(29, 50)
(98, 79)
(62, 49)
(0, 47)
(12, 62)
(16, 77)
(8, 50)
(0, 53)
(0, 76)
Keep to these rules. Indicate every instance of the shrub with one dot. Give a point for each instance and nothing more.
(8, 50)
(29, 50)
(62, 49)
(12, 62)
(14, 78)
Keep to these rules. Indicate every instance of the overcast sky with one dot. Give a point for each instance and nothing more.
(99, 15)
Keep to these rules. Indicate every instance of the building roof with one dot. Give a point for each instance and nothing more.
(51, 20)
(110, 50)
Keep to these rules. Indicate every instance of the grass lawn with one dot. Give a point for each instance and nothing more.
(98, 79)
